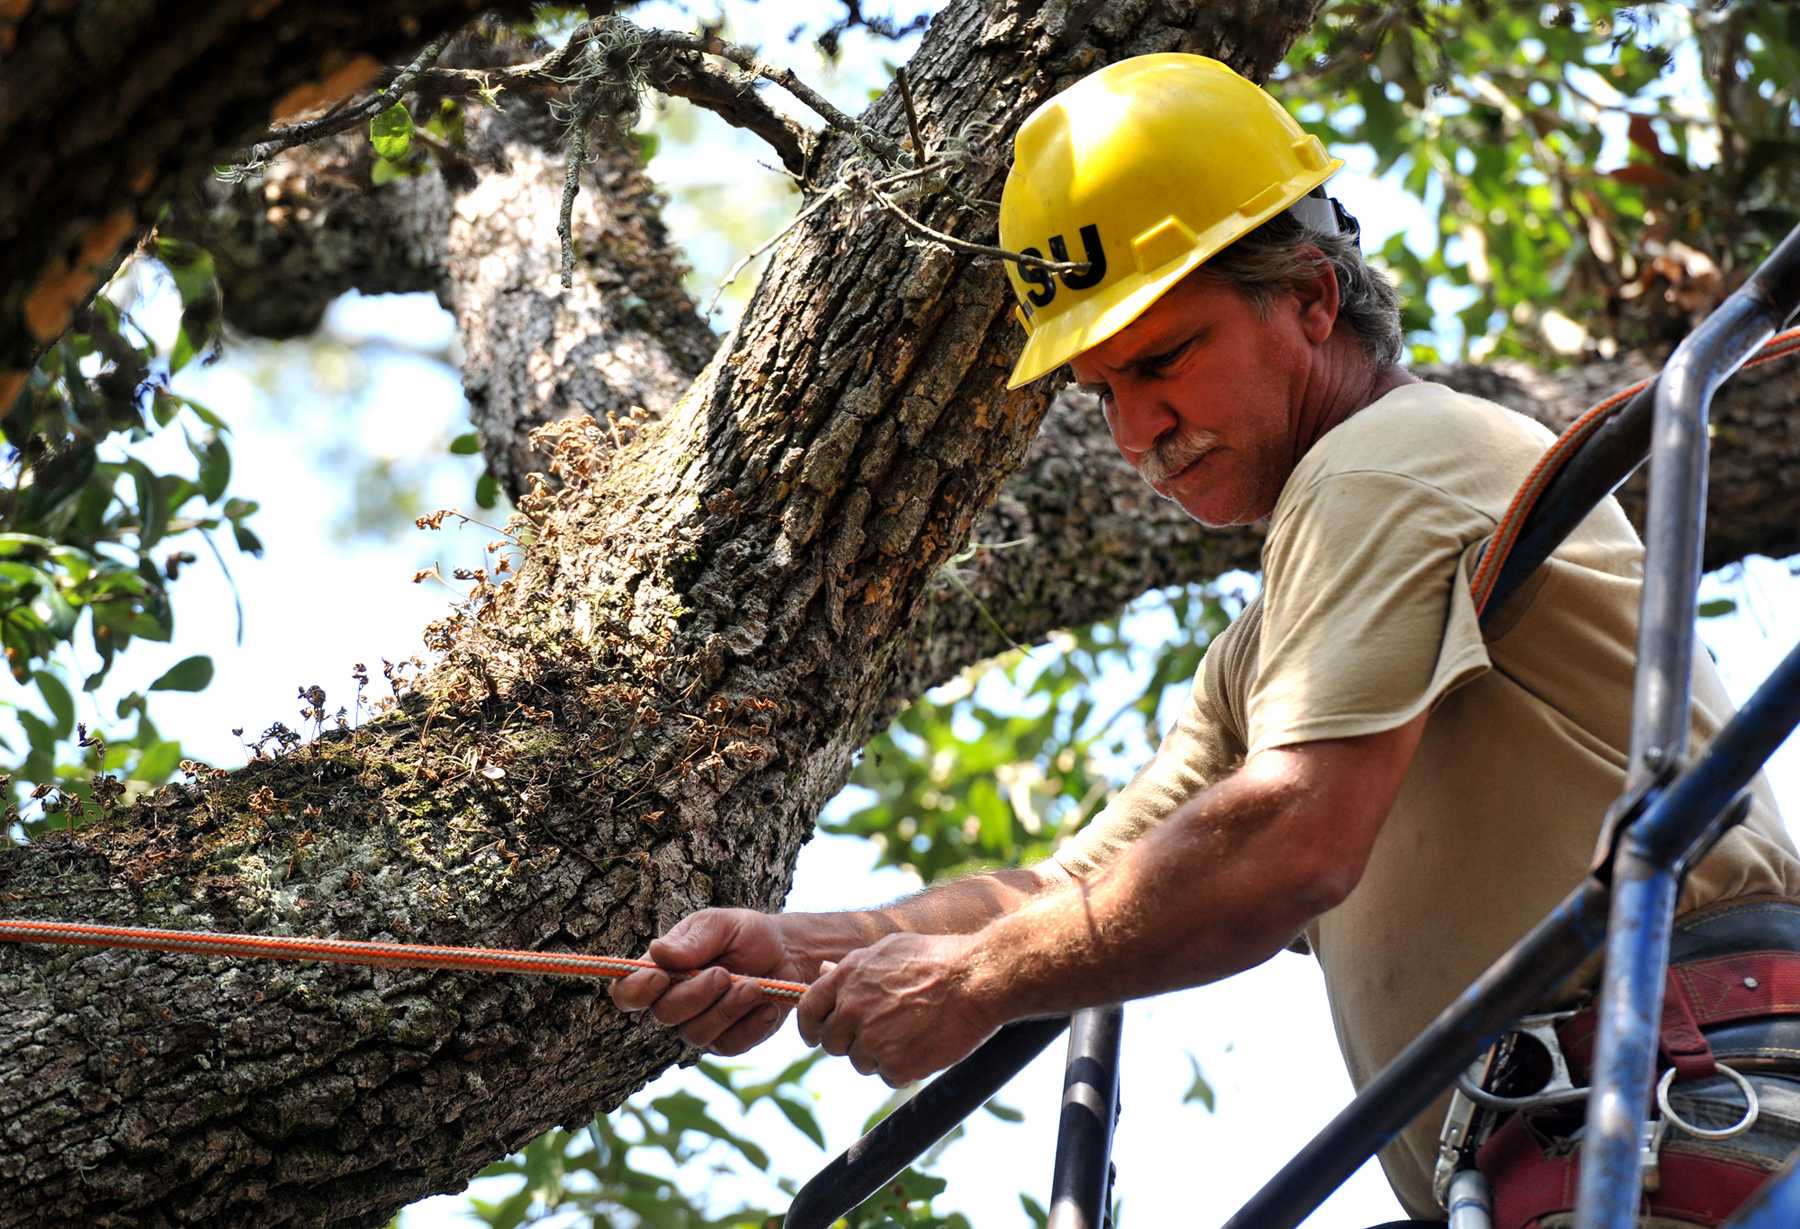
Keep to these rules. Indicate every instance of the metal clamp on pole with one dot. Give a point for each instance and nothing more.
(1081, 1183)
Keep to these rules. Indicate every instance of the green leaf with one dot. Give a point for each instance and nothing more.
(1717, 607)
(391, 132)
(1005, 1113)
(467, 444)
(23, 544)
(686, 1112)
(386, 172)
(62, 704)
(487, 491)
(801, 1117)
(153, 505)
(1199, 1090)
(190, 674)
(37, 732)
(157, 762)
(648, 143)
(56, 611)
(215, 468)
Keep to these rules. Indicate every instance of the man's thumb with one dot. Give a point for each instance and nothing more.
(690, 942)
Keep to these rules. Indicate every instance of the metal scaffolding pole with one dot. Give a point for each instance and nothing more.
(1645, 880)
(1680, 824)
(1081, 1178)
(897, 1140)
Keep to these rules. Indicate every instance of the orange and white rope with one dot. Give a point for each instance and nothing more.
(354, 951)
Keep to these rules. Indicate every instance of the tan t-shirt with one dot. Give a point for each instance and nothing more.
(1365, 621)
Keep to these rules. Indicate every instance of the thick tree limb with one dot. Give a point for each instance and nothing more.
(141, 99)
(624, 335)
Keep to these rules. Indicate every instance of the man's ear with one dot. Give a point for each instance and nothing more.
(1317, 299)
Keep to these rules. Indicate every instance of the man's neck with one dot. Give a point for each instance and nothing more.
(1348, 383)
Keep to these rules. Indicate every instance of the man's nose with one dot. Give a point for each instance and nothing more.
(1139, 421)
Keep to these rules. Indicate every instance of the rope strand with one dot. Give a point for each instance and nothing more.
(355, 951)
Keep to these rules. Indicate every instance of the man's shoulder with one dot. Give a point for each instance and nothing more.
(1469, 448)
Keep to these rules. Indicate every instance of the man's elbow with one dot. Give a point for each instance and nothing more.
(1321, 885)
(1324, 868)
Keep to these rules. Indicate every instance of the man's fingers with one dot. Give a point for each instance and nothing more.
(739, 1000)
(752, 1030)
(864, 1062)
(688, 998)
(695, 940)
(816, 1004)
(838, 1035)
(638, 990)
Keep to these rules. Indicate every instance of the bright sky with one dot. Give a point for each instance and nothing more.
(313, 606)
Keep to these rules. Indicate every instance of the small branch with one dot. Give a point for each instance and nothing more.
(344, 115)
(577, 158)
(825, 198)
(986, 251)
(887, 151)
(920, 157)
(734, 99)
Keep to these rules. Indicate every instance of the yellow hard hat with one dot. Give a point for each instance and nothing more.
(1141, 171)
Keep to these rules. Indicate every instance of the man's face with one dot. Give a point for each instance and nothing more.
(1201, 394)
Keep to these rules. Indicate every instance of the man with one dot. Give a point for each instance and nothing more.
(1359, 763)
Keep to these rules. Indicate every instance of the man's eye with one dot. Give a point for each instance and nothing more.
(1157, 364)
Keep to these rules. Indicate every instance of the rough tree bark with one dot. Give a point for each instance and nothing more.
(707, 624)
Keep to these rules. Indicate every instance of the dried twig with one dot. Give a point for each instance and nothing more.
(577, 158)
(986, 251)
(711, 44)
(920, 157)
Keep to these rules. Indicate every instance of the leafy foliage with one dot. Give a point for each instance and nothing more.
(91, 536)
(1602, 176)
(995, 770)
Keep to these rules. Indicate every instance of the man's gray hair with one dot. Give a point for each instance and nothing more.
(1275, 257)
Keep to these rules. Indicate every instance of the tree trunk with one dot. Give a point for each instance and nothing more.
(705, 625)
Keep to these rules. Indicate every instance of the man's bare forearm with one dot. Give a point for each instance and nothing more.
(962, 906)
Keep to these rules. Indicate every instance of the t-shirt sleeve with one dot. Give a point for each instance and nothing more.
(1367, 620)
(1198, 750)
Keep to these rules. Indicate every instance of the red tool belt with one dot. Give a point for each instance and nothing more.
(1535, 1175)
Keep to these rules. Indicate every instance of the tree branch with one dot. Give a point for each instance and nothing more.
(343, 117)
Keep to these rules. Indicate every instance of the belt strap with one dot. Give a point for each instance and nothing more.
(1530, 1184)
(1697, 995)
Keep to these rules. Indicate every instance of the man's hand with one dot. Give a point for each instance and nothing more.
(711, 1009)
(899, 1007)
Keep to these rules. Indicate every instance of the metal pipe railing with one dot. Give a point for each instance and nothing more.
(898, 1140)
(1081, 1177)
(1645, 879)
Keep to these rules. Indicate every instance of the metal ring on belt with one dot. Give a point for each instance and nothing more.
(1752, 1107)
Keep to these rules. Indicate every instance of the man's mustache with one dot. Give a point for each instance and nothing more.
(1170, 457)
